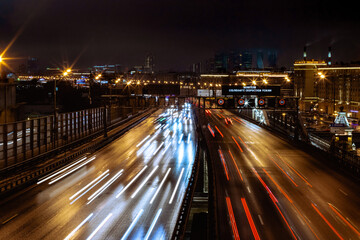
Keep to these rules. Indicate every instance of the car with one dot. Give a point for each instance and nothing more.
(228, 121)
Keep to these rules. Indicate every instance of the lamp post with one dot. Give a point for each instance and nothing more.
(55, 129)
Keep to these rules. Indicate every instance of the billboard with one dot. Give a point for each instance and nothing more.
(251, 90)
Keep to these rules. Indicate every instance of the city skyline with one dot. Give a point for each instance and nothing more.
(178, 34)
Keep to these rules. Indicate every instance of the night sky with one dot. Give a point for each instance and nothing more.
(178, 33)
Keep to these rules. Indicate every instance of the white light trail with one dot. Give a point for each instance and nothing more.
(72, 170)
(181, 136)
(176, 187)
(188, 140)
(143, 141)
(153, 224)
(173, 134)
(106, 185)
(99, 227)
(166, 148)
(143, 183)
(133, 180)
(158, 190)
(78, 227)
(158, 148)
(90, 188)
(128, 231)
(83, 189)
(60, 171)
(156, 127)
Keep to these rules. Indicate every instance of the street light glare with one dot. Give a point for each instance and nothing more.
(68, 70)
(65, 73)
(1, 58)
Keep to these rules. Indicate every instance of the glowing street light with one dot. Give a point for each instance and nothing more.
(1, 59)
(265, 81)
(254, 82)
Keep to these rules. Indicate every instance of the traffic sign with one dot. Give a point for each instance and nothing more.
(241, 102)
(220, 101)
(282, 102)
(261, 102)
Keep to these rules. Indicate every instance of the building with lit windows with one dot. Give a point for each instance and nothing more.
(323, 87)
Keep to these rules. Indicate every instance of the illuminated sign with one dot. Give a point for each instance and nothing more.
(241, 101)
(251, 90)
(282, 102)
(221, 101)
(261, 102)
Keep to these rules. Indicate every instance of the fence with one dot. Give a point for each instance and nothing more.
(22, 140)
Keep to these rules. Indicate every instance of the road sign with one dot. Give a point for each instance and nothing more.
(241, 102)
(221, 101)
(261, 102)
(251, 90)
(282, 102)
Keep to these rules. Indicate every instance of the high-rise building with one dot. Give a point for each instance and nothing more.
(244, 59)
(149, 64)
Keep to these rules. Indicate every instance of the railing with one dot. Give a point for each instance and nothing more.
(22, 140)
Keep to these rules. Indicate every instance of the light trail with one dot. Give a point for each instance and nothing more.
(224, 164)
(72, 170)
(60, 171)
(236, 166)
(327, 222)
(99, 227)
(88, 185)
(131, 182)
(275, 201)
(181, 136)
(158, 148)
(250, 220)
(188, 140)
(89, 189)
(237, 144)
(153, 224)
(243, 142)
(78, 227)
(105, 186)
(280, 189)
(128, 231)
(166, 148)
(176, 186)
(143, 183)
(219, 131)
(283, 171)
(143, 141)
(344, 220)
(295, 171)
(162, 182)
(232, 219)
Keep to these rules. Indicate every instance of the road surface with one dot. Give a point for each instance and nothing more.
(132, 188)
(268, 189)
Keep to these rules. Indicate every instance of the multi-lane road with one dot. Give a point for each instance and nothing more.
(131, 189)
(268, 189)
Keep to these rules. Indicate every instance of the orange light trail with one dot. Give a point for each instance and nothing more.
(251, 222)
(283, 171)
(327, 222)
(342, 218)
(211, 131)
(281, 190)
(243, 142)
(273, 198)
(232, 219)
(236, 166)
(224, 164)
(219, 131)
(295, 171)
(222, 116)
(236, 120)
(218, 115)
(237, 144)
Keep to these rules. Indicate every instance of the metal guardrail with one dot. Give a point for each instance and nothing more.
(20, 141)
(30, 177)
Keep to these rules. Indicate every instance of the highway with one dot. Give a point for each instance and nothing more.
(268, 189)
(130, 189)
